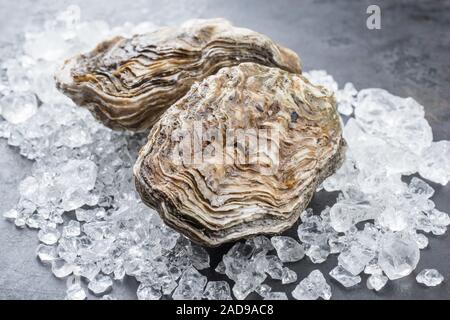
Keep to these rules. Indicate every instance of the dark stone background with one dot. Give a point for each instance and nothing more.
(409, 56)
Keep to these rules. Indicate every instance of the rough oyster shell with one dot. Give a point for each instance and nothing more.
(213, 202)
(129, 83)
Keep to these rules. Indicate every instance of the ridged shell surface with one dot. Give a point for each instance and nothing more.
(127, 83)
(235, 190)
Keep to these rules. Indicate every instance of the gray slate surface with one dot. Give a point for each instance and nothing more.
(409, 56)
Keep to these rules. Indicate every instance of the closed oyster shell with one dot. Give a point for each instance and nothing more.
(213, 202)
(129, 83)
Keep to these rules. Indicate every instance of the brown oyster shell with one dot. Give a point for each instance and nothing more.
(215, 203)
(129, 83)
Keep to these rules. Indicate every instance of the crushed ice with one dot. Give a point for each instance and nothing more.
(93, 226)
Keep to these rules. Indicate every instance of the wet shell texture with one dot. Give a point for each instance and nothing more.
(212, 201)
(128, 83)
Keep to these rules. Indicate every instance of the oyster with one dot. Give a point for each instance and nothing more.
(129, 83)
(221, 186)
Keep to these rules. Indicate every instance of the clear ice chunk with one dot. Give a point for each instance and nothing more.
(399, 255)
(49, 235)
(376, 282)
(18, 107)
(263, 290)
(288, 249)
(346, 99)
(246, 283)
(72, 229)
(11, 214)
(399, 121)
(148, 292)
(100, 284)
(61, 268)
(435, 162)
(430, 277)
(46, 254)
(394, 220)
(217, 290)
(190, 286)
(75, 292)
(274, 267)
(220, 268)
(314, 286)
(346, 214)
(276, 296)
(355, 258)
(288, 276)
(344, 277)
(373, 268)
(420, 188)
(89, 270)
(318, 253)
(422, 241)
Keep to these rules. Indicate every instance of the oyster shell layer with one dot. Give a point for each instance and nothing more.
(212, 203)
(129, 83)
